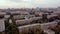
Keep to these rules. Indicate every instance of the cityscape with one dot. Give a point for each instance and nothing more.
(29, 17)
(30, 21)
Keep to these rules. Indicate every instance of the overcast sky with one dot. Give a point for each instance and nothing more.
(28, 3)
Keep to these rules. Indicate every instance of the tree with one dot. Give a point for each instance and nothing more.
(1, 16)
(44, 18)
(50, 12)
(32, 12)
(10, 27)
(37, 15)
(13, 20)
(57, 28)
(6, 21)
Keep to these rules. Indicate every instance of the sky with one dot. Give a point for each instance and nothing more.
(29, 3)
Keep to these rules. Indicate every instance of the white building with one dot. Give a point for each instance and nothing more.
(27, 20)
(49, 25)
(43, 26)
(24, 21)
(2, 25)
(2, 13)
(50, 16)
(6, 16)
(26, 28)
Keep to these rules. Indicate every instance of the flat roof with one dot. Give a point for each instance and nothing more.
(29, 25)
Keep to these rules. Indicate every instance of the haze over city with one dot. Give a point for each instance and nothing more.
(29, 16)
(29, 3)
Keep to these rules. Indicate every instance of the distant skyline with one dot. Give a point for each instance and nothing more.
(29, 3)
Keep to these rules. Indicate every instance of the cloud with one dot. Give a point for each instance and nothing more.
(29, 3)
(18, 1)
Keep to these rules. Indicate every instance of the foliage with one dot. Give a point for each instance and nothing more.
(10, 27)
(32, 12)
(6, 22)
(1, 16)
(44, 18)
(57, 28)
(36, 15)
(36, 31)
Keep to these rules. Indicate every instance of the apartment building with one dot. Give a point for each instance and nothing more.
(49, 25)
(45, 27)
(27, 28)
(48, 31)
(27, 20)
(2, 26)
(23, 16)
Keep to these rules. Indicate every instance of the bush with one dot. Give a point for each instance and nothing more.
(11, 29)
